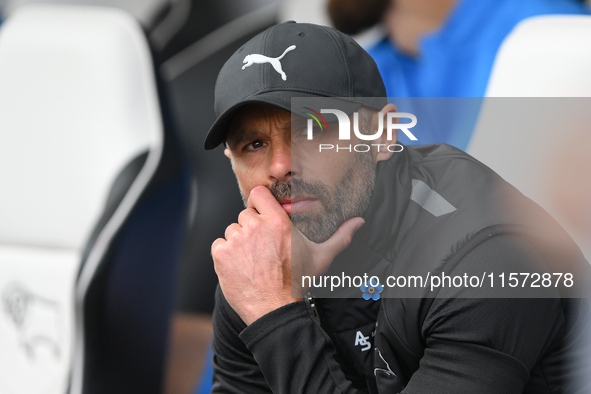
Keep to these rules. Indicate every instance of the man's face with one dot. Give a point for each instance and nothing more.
(319, 191)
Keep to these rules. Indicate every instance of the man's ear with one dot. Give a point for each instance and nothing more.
(227, 152)
(384, 154)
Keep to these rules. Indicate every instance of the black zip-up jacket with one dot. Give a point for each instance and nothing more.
(435, 209)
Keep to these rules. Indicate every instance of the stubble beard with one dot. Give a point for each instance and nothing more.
(349, 198)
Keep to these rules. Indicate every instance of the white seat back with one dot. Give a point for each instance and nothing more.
(77, 103)
(533, 128)
(545, 56)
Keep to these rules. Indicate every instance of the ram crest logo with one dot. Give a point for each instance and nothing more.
(35, 319)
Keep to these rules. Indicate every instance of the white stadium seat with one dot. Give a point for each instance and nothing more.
(533, 128)
(78, 104)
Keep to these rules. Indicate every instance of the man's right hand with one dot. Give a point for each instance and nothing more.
(254, 262)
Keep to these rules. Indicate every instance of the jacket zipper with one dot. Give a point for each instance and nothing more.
(311, 302)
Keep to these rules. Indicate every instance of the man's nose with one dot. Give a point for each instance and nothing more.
(280, 166)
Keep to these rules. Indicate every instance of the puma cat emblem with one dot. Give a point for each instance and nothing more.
(249, 60)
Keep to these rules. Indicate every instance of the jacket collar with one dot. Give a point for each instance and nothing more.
(391, 196)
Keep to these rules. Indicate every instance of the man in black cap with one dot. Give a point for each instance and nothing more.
(320, 209)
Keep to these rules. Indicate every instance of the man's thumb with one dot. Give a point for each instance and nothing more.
(341, 238)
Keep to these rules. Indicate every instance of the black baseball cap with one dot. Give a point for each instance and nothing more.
(295, 60)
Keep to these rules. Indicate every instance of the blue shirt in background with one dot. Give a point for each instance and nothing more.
(456, 61)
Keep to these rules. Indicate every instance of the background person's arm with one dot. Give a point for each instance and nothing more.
(189, 340)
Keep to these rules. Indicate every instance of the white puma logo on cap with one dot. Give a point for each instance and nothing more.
(249, 60)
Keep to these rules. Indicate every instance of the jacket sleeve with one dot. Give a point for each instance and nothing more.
(461, 361)
(491, 345)
(234, 369)
(284, 351)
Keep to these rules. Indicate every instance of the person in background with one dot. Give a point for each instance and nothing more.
(441, 48)
(2, 5)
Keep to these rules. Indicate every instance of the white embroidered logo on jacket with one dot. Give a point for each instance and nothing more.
(249, 60)
(361, 340)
